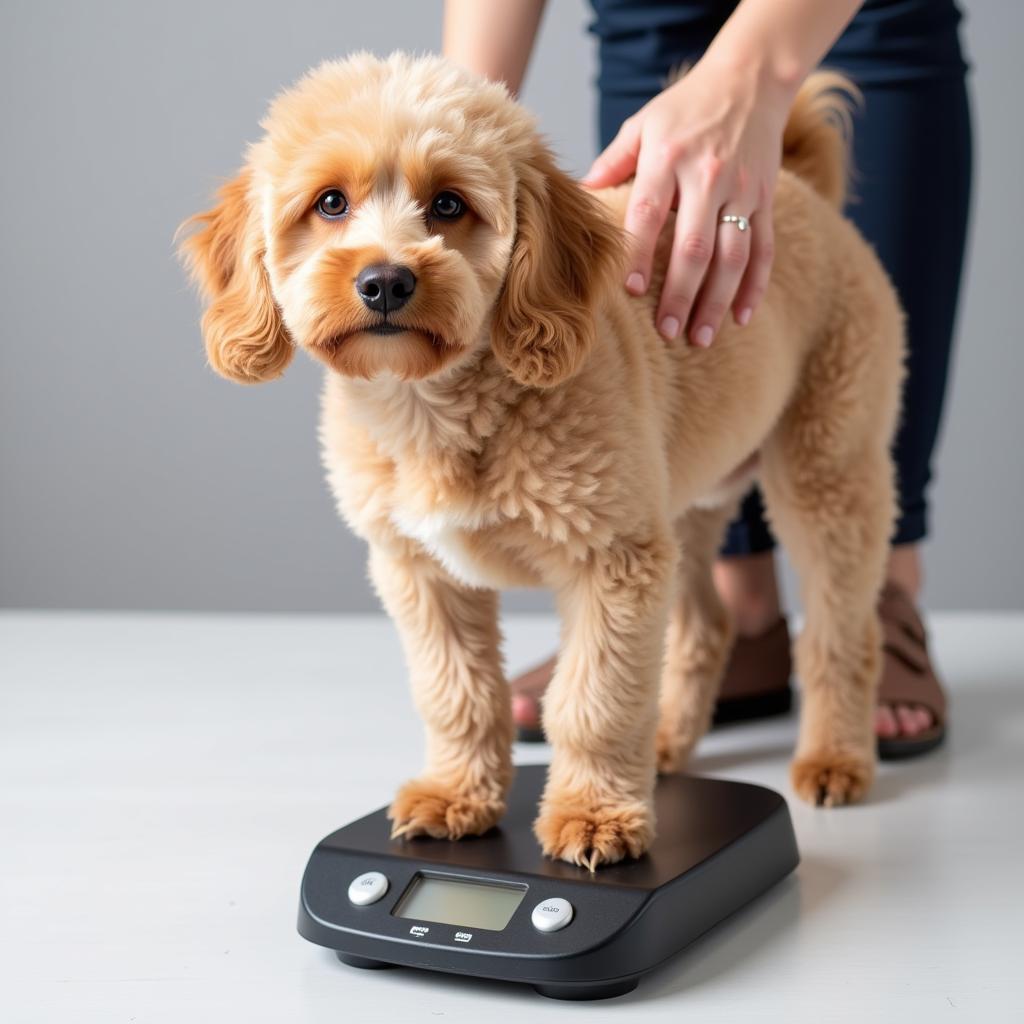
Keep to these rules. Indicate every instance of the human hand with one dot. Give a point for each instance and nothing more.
(709, 145)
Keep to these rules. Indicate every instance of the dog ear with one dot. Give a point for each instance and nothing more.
(565, 252)
(246, 340)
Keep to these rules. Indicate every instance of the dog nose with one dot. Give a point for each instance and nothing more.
(385, 287)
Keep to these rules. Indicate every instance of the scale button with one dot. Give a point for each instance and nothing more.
(367, 888)
(552, 914)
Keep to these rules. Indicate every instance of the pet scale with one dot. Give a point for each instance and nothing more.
(493, 906)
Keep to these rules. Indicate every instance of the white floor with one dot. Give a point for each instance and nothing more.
(163, 779)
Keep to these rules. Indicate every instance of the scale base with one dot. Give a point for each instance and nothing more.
(598, 990)
(719, 845)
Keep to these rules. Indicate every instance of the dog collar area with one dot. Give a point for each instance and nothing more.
(493, 906)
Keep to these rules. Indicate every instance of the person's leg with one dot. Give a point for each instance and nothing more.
(912, 159)
(745, 570)
(639, 47)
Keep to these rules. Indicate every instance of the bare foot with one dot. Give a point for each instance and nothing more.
(527, 690)
(748, 586)
(904, 720)
(749, 589)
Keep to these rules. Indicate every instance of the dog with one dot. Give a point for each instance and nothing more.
(498, 411)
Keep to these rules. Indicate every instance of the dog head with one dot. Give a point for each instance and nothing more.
(397, 215)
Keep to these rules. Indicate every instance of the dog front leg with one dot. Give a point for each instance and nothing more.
(600, 710)
(450, 636)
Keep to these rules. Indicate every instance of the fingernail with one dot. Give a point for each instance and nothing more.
(635, 284)
(743, 316)
(670, 328)
(703, 336)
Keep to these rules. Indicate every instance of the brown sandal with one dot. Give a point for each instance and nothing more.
(756, 683)
(907, 674)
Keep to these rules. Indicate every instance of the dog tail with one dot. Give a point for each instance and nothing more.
(816, 142)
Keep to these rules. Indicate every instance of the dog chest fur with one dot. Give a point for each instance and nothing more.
(443, 535)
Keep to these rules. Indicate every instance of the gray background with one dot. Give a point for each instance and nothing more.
(132, 477)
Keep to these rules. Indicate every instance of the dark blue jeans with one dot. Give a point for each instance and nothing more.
(912, 154)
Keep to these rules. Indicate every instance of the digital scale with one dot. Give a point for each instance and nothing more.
(493, 906)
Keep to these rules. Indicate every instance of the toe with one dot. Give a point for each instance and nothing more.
(907, 718)
(525, 711)
(885, 722)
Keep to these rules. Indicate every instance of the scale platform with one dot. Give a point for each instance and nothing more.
(493, 906)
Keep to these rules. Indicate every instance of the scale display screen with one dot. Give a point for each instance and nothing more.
(460, 902)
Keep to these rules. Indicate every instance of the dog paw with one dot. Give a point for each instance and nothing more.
(830, 781)
(591, 837)
(428, 807)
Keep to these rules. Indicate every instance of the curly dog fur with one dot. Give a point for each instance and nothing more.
(522, 423)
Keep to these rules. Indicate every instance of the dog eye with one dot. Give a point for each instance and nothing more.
(332, 204)
(447, 206)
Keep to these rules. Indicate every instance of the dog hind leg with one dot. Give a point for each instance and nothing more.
(828, 482)
(698, 639)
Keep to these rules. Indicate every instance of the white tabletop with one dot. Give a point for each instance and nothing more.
(164, 778)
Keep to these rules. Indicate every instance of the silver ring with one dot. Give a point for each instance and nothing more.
(734, 218)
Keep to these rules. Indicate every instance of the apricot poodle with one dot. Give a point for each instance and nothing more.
(498, 411)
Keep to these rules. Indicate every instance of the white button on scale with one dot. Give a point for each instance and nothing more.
(552, 914)
(367, 888)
